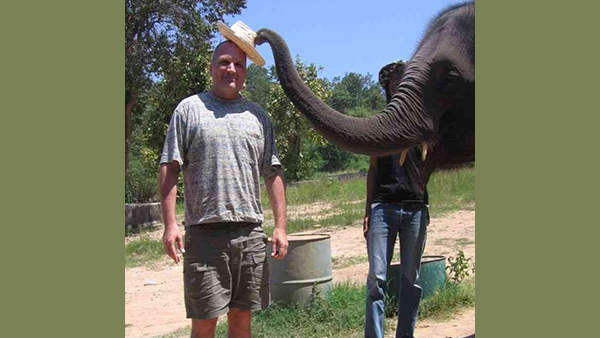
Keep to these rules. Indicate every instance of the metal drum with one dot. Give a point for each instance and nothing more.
(307, 265)
(432, 275)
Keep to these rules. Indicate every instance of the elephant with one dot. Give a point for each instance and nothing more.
(434, 107)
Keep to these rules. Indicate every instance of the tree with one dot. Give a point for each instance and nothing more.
(258, 85)
(356, 92)
(296, 140)
(168, 40)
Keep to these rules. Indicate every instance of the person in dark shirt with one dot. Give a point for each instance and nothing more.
(397, 205)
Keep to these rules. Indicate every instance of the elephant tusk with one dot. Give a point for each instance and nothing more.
(424, 151)
(403, 157)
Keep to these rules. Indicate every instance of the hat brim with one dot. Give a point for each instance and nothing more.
(250, 51)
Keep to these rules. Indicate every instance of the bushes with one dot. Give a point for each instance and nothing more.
(141, 178)
(140, 186)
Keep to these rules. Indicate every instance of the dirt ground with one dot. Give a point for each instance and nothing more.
(154, 295)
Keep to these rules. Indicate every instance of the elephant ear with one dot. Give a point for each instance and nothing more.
(443, 86)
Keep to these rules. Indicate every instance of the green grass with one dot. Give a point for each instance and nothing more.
(448, 299)
(451, 190)
(143, 250)
(341, 313)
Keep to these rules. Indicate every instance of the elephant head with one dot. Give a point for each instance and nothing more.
(434, 106)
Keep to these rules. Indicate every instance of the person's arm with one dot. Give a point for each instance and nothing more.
(276, 191)
(167, 186)
(370, 192)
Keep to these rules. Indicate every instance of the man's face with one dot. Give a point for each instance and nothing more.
(393, 84)
(228, 71)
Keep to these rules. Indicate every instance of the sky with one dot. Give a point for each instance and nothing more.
(343, 36)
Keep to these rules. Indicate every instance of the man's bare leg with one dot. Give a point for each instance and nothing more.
(204, 328)
(239, 323)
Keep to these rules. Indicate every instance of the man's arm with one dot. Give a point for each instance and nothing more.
(276, 191)
(167, 186)
(370, 192)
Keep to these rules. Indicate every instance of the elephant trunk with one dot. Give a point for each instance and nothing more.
(401, 125)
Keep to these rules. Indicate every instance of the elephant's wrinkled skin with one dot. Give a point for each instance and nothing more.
(434, 106)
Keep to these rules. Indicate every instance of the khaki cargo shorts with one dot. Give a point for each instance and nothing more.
(225, 267)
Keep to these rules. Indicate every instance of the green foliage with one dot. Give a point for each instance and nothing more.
(338, 159)
(258, 85)
(356, 91)
(296, 140)
(459, 268)
(141, 178)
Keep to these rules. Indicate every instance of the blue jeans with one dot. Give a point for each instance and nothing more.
(387, 220)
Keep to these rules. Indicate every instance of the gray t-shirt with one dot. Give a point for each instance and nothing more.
(223, 147)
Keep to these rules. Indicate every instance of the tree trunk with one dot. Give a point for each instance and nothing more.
(129, 125)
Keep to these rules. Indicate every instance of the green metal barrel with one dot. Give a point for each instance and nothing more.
(432, 276)
(306, 266)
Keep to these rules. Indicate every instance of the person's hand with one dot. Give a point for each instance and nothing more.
(365, 226)
(280, 244)
(171, 236)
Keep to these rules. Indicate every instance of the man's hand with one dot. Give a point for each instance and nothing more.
(365, 226)
(280, 244)
(171, 236)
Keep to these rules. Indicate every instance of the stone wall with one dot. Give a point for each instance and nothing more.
(144, 214)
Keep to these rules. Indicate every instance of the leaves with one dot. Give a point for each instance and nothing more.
(459, 267)
(356, 91)
(296, 140)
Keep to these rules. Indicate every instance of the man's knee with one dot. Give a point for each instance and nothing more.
(239, 323)
(410, 277)
(239, 315)
(204, 327)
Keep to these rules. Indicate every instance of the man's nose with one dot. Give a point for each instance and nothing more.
(231, 67)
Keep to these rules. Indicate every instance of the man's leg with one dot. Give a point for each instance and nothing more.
(380, 243)
(239, 323)
(413, 236)
(204, 328)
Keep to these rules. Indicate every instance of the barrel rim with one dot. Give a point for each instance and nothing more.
(426, 259)
(318, 237)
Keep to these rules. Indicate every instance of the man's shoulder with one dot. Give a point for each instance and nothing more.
(255, 108)
(191, 103)
(193, 99)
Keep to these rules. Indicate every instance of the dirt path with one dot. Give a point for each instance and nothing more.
(154, 295)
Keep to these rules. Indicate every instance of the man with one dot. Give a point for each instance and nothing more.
(397, 204)
(223, 143)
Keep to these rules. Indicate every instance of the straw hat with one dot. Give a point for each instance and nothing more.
(243, 37)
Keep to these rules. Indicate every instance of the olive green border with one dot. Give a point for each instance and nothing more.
(63, 185)
(534, 240)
